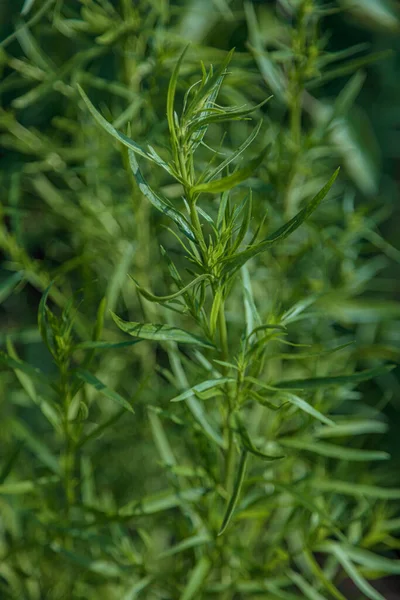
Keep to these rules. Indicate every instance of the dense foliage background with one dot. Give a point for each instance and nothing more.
(71, 214)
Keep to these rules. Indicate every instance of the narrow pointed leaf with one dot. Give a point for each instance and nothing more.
(248, 444)
(236, 492)
(196, 579)
(236, 153)
(236, 261)
(153, 298)
(121, 137)
(201, 387)
(157, 201)
(359, 490)
(160, 333)
(318, 382)
(230, 181)
(355, 575)
(171, 95)
(92, 380)
(334, 451)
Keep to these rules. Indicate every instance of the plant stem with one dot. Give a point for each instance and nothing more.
(230, 453)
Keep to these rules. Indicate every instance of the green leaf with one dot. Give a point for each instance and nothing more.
(334, 451)
(296, 401)
(359, 490)
(105, 345)
(162, 204)
(92, 380)
(49, 409)
(348, 94)
(354, 574)
(210, 84)
(111, 130)
(201, 387)
(237, 486)
(28, 4)
(161, 502)
(36, 445)
(191, 542)
(351, 428)
(43, 326)
(236, 261)
(24, 367)
(359, 311)
(197, 579)
(234, 154)
(248, 444)
(152, 298)
(303, 585)
(365, 558)
(349, 67)
(161, 439)
(318, 382)
(171, 97)
(8, 286)
(27, 487)
(223, 116)
(226, 183)
(160, 333)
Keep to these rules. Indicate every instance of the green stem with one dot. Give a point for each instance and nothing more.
(230, 453)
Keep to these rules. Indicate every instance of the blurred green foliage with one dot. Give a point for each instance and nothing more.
(97, 502)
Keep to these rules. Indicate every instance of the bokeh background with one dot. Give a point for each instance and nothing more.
(66, 208)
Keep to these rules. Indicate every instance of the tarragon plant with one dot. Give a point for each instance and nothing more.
(235, 395)
(209, 434)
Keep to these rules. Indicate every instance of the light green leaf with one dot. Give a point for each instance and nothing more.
(171, 96)
(121, 137)
(191, 542)
(365, 558)
(201, 387)
(237, 486)
(296, 401)
(334, 451)
(27, 487)
(223, 116)
(160, 333)
(359, 311)
(152, 298)
(92, 380)
(359, 490)
(303, 585)
(308, 408)
(213, 82)
(348, 94)
(354, 574)
(161, 502)
(28, 4)
(230, 181)
(196, 579)
(351, 428)
(161, 440)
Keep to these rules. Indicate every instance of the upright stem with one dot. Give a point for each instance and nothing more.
(230, 453)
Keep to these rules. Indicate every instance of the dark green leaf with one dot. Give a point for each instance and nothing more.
(237, 486)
